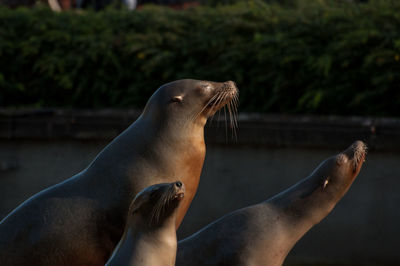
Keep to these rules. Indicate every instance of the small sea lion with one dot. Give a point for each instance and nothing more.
(263, 234)
(150, 235)
(81, 220)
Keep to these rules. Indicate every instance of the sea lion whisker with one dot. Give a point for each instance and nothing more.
(234, 113)
(235, 107)
(222, 97)
(230, 114)
(226, 125)
(235, 126)
(161, 208)
(213, 104)
(155, 212)
(233, 120)
(219, 115)
(161, 204)
(232, 124)
(235, 104)
(236, 101)
(219, 99)
(153, 215)
(204, 107)
(233, 110)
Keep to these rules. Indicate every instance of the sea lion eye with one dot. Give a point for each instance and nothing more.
(206, 87)
(177, 99)
(203, 86)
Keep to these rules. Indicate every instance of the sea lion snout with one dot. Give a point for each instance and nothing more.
(157, 202)
(230, 85)
(356, 149)
(357, 152)
(221, 94)
(354, 155)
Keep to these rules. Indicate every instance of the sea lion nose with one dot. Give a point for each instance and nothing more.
(356, 149)
(178, 184)
(230, 83)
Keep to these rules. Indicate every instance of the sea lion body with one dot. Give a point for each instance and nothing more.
(150, 235)
(81, 220)
(263, 234)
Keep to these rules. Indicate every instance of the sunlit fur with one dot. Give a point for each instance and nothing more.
(226, 97)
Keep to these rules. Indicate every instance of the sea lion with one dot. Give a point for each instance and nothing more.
(263, 234)
(150, 234)
(81, 220)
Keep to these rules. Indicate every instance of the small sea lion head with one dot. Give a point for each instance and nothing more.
(192, 100)
(344, 166)
(353, 157)
(154, 204)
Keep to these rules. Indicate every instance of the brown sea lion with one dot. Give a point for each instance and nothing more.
(81, 220)
(263, 234)
(150, 234)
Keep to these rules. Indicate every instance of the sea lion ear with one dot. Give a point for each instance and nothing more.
(177, 99)
(135, 209)
(137, 204)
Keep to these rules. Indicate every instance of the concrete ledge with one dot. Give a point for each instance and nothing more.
(293, 131)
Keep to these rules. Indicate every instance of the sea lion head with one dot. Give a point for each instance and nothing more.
(310, 200)
(352, 158)
(191, 100)
(344, 167)
(156, 204)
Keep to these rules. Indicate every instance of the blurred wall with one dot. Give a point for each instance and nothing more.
(270, 154)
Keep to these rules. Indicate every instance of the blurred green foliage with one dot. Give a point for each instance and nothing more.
(321, 57)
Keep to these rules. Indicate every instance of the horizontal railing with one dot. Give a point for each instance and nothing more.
(303, 131)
